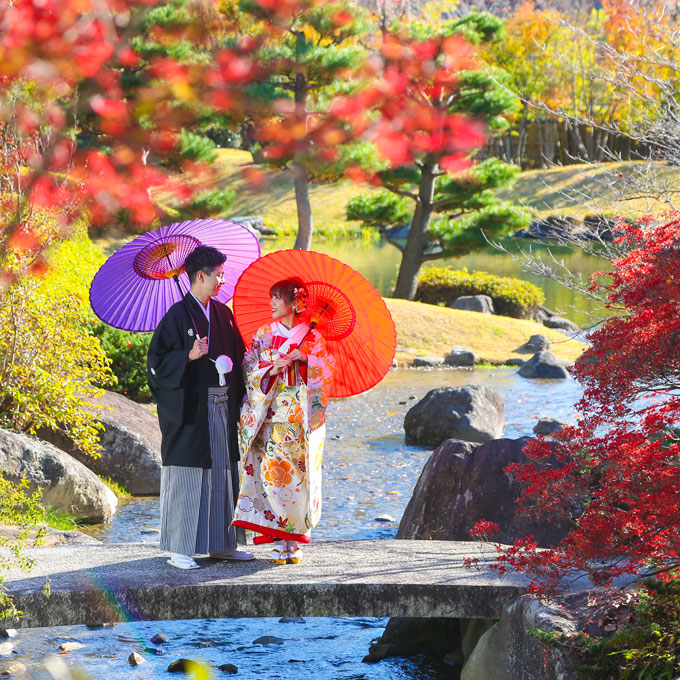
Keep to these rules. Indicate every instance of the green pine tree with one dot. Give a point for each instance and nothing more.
(448, 214)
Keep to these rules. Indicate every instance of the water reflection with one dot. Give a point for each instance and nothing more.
(379, 263)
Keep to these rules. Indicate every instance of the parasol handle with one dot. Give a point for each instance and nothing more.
(175, 278)
(312, 326)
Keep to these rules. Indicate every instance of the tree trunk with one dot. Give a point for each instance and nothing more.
(577, 149)
(412, 257)
(547, 142)
(522, 136)
(625, 148)
(303, 240)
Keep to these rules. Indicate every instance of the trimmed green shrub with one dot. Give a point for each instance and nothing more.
(511, 297)
(127, 353)
(378, 210)
(196, 147)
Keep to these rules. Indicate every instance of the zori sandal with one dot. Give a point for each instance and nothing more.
(294, 554)
(279, 553)
(182, 562)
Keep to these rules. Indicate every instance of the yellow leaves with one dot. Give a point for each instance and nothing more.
(50, 359)
(597, 63)
(436, 11)
(311, 35)
(230, 10)
(181, 90)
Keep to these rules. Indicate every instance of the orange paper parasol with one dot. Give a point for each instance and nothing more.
(345, 308)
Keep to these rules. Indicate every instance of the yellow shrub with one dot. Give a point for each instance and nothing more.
(49, 360)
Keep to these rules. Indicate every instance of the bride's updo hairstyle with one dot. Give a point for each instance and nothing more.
(291, 290)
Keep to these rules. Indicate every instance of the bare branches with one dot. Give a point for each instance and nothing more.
(555, 268)
(617, 120)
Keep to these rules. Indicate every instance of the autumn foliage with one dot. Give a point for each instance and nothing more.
(616, 474)
(73, 141)
(92, 115)
(414, 84)
(429, 105)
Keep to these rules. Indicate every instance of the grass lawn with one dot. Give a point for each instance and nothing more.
(429, 330)
(573, 190)
(275, 201)
(582, 190)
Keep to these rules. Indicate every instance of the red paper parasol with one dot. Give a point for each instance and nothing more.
(349, 312)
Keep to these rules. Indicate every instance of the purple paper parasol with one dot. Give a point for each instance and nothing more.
(139, 283)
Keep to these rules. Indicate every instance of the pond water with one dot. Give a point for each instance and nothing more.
(368, 471)
(379, 263)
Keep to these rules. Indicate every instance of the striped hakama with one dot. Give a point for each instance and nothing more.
(197, 505)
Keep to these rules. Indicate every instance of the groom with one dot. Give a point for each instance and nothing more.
(198, 417)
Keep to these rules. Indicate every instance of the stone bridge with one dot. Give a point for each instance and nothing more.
(131, 581)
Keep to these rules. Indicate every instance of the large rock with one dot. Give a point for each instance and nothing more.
(254, 223)
(463, 483)
(544, 365)
(408, 636)
(548, 426)
(475, 413)
(561, 324)
(542, 313)
(550, 227)
(131, 445)
(67, 484)
(536, 343)
(474, 303)
(427, 362)
(459, 356)
(486, 649)
(508, 650)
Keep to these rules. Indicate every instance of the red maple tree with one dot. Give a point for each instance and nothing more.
(76, 140)
(616, 474)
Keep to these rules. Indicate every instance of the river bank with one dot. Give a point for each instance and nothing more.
(369, 472)
(552, 192)
(429, 330)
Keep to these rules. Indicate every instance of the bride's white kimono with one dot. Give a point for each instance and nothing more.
(281, 436)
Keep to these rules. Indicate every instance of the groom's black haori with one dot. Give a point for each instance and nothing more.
(181, 387)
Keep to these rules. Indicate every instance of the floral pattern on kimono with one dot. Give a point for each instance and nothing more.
(281, 437)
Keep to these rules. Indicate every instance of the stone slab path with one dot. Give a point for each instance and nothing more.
(123, 581)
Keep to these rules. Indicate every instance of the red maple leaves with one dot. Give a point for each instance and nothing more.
(616, 474)
(412, 86)
(62, 64)
(77, 142)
